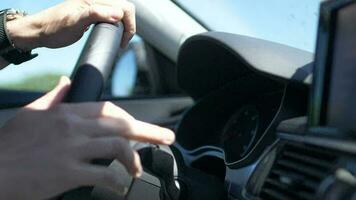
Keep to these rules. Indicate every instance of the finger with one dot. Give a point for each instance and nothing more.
(145, 132)
(129, 21)
(114, 148)
(127, 15)
(131, 130)
(104, 13)
(92, 110)
(53, 97)
(109, 118)
(91, 175)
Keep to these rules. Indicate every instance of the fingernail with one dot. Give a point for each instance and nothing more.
(138, 167)
(169, 138)
(63, 80)
(115, 16)
(168, 142)
(114, 19)
(138, 174)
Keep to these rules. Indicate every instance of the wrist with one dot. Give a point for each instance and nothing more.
(24, 32)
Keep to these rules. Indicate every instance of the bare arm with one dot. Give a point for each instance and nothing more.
(48, 147)
(65, 23)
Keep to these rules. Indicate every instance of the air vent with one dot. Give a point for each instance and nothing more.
(297, 173)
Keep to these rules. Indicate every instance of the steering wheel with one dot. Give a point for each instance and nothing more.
(162, 178)
(91, 73)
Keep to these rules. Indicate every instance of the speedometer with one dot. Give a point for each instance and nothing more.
(240, 133)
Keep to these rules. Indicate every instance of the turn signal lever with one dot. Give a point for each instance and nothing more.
(158, 181)
(185, 184)
(161, 164)
(162, 179)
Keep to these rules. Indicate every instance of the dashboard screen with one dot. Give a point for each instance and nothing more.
(341, 103)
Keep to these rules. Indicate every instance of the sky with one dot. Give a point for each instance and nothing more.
(49, 60)
(291, 22)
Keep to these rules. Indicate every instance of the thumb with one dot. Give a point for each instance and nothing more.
(53, 97)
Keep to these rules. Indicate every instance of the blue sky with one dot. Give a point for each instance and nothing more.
(50, 60)
(291, 22)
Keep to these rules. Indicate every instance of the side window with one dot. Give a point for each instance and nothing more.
(43, 72)
(142, 71)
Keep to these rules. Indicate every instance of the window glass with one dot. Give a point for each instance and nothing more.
(132, 73)
(43, 72)
(290, 22)
(124, 75)
(142, 71)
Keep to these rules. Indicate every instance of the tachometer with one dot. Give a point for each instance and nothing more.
(240, 133)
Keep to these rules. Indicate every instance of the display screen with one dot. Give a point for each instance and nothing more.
(341, 103)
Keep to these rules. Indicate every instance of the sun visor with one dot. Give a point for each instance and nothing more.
(210, 60)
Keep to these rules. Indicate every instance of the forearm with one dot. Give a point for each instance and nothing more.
(25, 32)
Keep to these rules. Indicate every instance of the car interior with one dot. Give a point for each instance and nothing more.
(253, 119)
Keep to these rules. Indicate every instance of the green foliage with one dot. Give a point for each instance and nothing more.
(40, 83)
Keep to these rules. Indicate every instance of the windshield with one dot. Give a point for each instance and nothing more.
(289, 22)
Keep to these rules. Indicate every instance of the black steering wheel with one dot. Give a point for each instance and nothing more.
(91, 73)
(163, 178)
(96, 62)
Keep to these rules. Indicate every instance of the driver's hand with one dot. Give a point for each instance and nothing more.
(47, 148)
(64, 24)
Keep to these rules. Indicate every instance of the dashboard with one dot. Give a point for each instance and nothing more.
(232, 119)
(243, 88)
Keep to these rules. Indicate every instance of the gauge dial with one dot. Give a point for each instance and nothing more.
(240, 132)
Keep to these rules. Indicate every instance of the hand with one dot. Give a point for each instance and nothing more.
(48, 147)
(64, 24)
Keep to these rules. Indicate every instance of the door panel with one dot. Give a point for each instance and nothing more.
(162, 111)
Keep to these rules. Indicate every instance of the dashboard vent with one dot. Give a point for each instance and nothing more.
(297, 173)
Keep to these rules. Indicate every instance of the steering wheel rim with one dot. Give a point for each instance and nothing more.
(96, 62)
(91, 73)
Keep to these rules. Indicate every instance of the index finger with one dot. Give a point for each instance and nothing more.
(114, 121)
(130, 130)
(145, 132)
